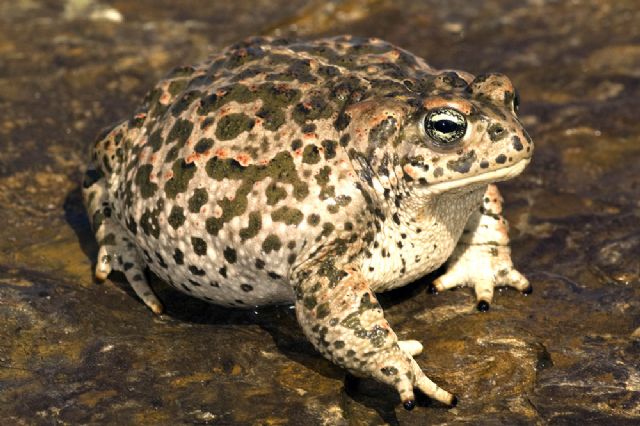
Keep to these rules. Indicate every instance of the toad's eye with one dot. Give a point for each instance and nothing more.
(445, 126)
(516, 102)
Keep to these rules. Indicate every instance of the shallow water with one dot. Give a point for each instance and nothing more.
(73, 351)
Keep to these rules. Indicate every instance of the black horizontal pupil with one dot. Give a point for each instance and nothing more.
(446, 126)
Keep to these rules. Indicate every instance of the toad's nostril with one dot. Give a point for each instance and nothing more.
(496, 132)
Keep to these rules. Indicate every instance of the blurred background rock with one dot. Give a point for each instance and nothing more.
(72, 351)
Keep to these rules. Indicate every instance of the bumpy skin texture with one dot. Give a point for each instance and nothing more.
(306, 172)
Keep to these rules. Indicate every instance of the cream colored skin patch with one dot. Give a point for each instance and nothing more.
(314, 173)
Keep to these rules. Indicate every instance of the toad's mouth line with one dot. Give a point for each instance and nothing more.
(504, 173)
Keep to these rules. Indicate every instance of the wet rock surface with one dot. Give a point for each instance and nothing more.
(73, 351)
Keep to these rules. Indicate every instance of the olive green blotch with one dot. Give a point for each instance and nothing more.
(172, 154)
(273, 117)
(203, 145)
(182, 174)
(199, 199)
(177, 86)
(237, 92)
(146, 188)
(310, 302)
(314, 109)
(274, 194)
(184, 102)
(253, 227)
(310, 154)
(230, 126)
(287, 215)
(180, 131)
(271, 243)
(155, 140)
(323, 311)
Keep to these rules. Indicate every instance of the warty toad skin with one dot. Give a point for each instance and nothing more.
(315, 173)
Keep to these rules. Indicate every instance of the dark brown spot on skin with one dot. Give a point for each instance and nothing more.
(517, 144)
(329, 148)
(214, 101)
(207, 123)
(463, 163)
(176, 217)
(178, 256)
(313, 219)
(308, 128)
(296, 144)
(149, 222)
(230, 255)
(199, 246)
(246, 287)
(501, 159)
(327, 229)
(196, 271)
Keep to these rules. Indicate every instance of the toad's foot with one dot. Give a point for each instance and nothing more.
(482, 258)
(482, 267)
(127, 261)
(412, 347)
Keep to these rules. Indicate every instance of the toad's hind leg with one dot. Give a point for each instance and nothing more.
(116, 251)
(340, 315)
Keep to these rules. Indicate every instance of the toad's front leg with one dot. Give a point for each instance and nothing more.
(341, 317)
(482, 258)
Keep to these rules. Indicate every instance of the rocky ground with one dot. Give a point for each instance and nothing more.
(73, 351)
